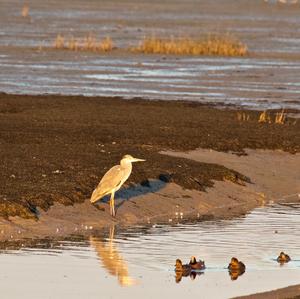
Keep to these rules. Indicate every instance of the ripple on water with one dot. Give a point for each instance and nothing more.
(144, 257)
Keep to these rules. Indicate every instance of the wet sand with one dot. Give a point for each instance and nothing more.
(55, 149)
(292, 292)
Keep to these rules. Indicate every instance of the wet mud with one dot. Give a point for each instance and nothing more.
(56, 148)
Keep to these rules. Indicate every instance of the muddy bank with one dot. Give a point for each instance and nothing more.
(55, 149)
(292, 292)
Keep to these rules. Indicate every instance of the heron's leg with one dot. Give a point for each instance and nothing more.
(112, 204)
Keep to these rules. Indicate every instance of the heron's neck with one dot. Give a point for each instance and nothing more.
(126, 164)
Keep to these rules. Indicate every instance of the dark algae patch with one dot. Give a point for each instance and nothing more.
(56, 148)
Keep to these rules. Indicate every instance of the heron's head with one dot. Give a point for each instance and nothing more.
(130, 159)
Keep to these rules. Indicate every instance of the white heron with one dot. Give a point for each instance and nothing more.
(113, 180)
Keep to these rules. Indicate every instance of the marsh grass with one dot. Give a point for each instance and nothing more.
(88, 43)
(266, 117)
(225, 45)
(211, 45)
(242, 116)
(280, 117)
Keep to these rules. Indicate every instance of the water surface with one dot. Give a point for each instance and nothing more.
(139, 262)
(268, 79)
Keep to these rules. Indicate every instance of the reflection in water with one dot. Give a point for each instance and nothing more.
(72, 265)
(111, 260)
(234, 274)
(192, 275)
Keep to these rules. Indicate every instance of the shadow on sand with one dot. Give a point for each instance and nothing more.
(127, 193)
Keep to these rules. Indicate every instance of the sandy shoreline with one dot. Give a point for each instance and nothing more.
(168, 203)
(292, 292)
(55, 149)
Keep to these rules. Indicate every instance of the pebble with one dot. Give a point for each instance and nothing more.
(57, 171)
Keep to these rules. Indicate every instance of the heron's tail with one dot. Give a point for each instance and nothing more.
(96, 195)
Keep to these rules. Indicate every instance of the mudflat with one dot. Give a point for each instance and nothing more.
(55, 149)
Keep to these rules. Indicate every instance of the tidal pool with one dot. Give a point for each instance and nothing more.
(139, 262)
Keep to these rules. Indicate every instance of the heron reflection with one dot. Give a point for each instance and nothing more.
(111, 259)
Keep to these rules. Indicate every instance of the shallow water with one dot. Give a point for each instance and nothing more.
(213, 80)
(139, 262)
(29, 67)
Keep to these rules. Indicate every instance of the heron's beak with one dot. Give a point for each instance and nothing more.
(137, 160)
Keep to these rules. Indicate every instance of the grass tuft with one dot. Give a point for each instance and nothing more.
(88, 43)
(280, 117)
(264, 117)
(210, 45)
(242, 116)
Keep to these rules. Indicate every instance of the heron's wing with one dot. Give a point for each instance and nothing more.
(110, 181)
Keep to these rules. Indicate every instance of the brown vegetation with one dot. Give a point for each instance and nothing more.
(242, 116)
(88, 43)
(265, 117)
(280, 117)
(211, 45)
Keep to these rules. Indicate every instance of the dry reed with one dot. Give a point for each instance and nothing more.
(280, 117)
(242, 116)
(263, 117)
(211, 45)
(88, 43)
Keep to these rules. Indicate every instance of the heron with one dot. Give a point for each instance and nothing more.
(113, 180)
